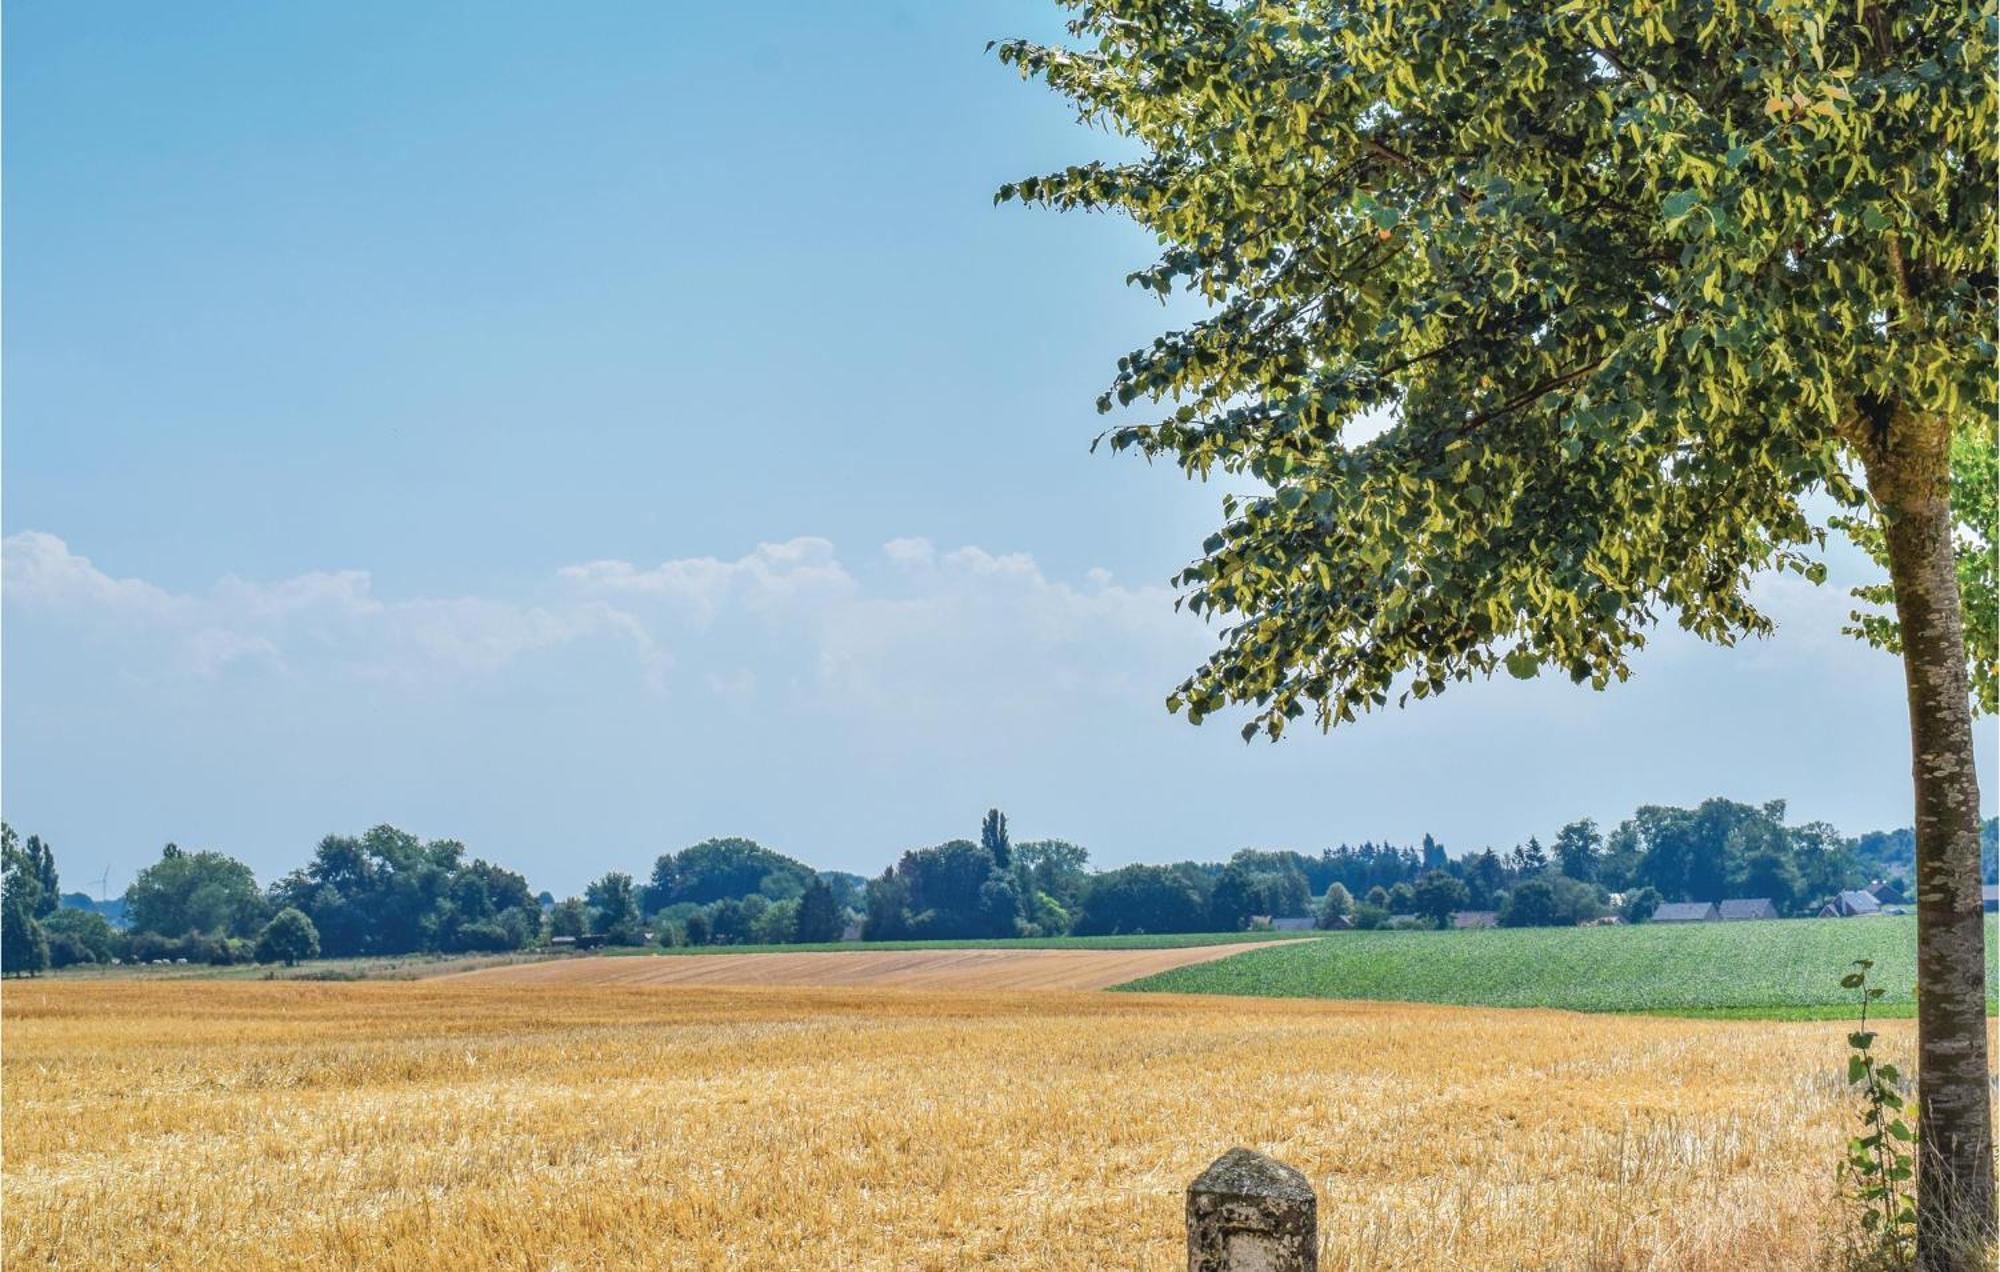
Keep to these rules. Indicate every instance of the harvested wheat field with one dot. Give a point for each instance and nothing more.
(461, 1124)
(1001, 969)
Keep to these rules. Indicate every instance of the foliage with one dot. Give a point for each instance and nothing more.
(1613, 274)
(1056, 869)
(1335, 905)
(993, 838)
(719, 869)
(1881, 1160)
(819, 919)
(1551, 900)
(188, 893)
(955, 889)
(24, 947)
(388, 892)
(1437, 894)
(85, 936)
(1640, 904)
(1141, 899)
(1768, 969)
(613, 903)
(28, 870)
(289, 938)
(1578, 846)
(569, 917)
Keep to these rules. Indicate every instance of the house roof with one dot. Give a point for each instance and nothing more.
(1291, 924)
(1855, 902)
(1748, 908)
(1684, 912)
(1475, 918)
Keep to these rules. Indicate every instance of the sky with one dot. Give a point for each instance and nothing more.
(584, 430)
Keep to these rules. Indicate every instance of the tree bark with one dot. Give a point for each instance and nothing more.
(1910, 478)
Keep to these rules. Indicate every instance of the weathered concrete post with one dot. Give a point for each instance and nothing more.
(1250, 1213)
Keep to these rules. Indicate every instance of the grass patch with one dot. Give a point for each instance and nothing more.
(1782, 969)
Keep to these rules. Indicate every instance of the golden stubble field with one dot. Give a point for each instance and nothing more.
(442, 1124)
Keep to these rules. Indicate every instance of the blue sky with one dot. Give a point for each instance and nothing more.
(581, 430)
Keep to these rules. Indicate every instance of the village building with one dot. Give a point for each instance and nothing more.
(1740, 908)
(1475, 918)
(1685, 912)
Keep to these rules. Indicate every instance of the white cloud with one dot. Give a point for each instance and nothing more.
(775, 575)
(942, 632)
(296, 623)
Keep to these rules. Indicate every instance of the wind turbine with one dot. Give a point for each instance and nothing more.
(103, 883)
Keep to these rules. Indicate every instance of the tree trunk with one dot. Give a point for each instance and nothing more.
(1955, 1198)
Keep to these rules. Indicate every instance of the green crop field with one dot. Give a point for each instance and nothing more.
(1784, 968)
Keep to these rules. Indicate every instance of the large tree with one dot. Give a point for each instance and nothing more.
(1539, 325)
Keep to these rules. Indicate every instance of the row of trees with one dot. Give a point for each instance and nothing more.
(387, 892)
(198, 894)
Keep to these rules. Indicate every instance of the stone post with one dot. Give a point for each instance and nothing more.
(1250, 1213)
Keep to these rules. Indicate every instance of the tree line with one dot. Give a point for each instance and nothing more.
(387, 892)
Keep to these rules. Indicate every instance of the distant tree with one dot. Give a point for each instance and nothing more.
(188, 892)
(289, 938)
(25, 872)
(1577, 848)
(41, 862)
(1550, 900)
(1438, 894)
(1534, 858)
(614, 908)
(732, 921)
(778, 924)
(1640, 904)
(84, 930)
(1402, 899)
(1059, 869)
(1368, 916)
(1484, 877)
(1152, 899)
(1433, 854)
(24, 947)
(569, 917)
(716, 869)
(1337, 904)
(887, 916)
(383, 892)
(819, 919)
(1532, 903)
(1233, 899)
(696, 928)
(993, 838)
(1771, 873)
(952, 890)
(1378, 896)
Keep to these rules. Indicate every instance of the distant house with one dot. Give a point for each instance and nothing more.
(1685, 912)
(1740, 908)
(1475, 918)
(1888, 890)
(852, 932)
(1854, 903)
(1339, 923)
(1991, 892)
(1299, 923)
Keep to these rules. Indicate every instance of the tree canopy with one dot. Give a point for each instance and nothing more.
(1539, 326)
